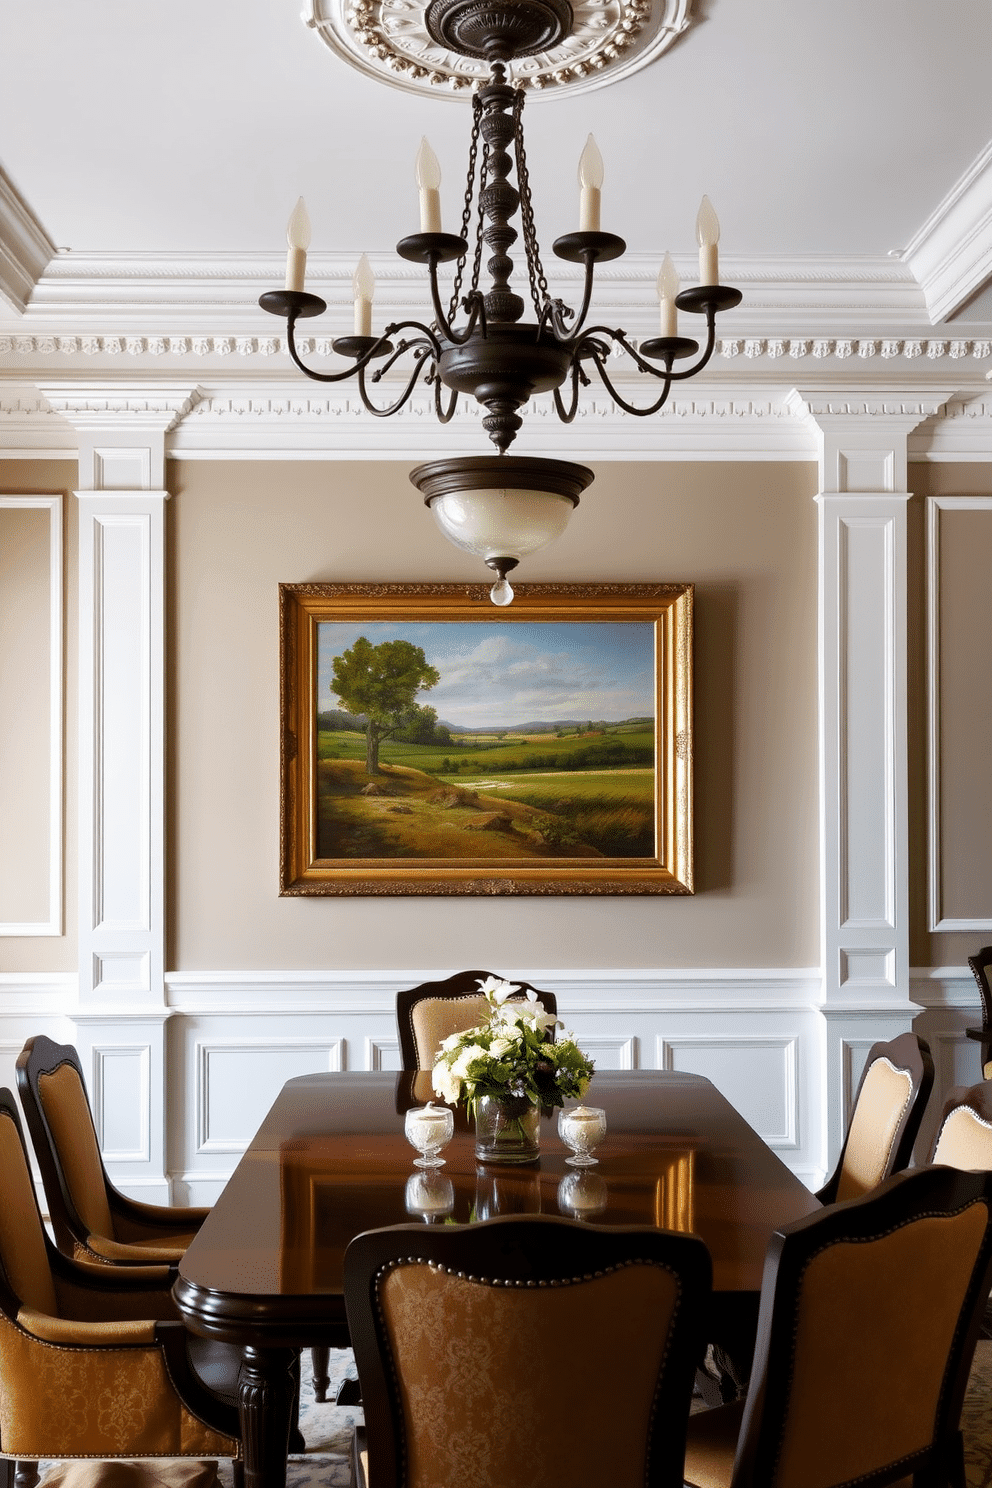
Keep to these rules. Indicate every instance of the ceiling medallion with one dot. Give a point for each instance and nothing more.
(392, 41)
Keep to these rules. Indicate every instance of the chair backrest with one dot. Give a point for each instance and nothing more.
(868, 1320)
(964, 1132)
(980, 963)
(57, 1110)
(25, 1269)
(428, 1014)
(481, 1350)
(888, 1108)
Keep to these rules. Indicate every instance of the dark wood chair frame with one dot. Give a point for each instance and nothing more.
(977, 1098)
(980, 963)
(204, 1372)
(896, 1202)
(907, 1052)
(462, 984)
(524, 1252)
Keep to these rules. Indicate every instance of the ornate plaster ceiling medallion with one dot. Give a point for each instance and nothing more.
(389, 40)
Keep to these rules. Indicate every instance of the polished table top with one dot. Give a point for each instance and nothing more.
(331, 1160)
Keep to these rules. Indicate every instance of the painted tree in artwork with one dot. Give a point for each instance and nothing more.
(382, 682)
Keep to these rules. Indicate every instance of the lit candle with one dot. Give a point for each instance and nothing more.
(668, 288)
(298, 238)
(428, 180)
(363, 288)
(591, 182)
(707, 236)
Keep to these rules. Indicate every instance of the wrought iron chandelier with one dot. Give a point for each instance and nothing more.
(503, 507)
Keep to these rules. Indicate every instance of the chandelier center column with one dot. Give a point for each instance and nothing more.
(500, 200)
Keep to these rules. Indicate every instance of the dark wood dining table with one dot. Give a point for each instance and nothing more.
(331, 1160)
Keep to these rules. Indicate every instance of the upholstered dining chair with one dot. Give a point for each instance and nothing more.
(428, 1014)
(481, 1350)
(869, 1315)
(94, 1361)
(91, 1219)
(885, 1120)
(964, 1132)
(981, 964)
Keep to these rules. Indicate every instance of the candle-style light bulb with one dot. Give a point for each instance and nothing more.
(429, 180)
(298, 238)
(668, 288)
(591, 183)
(363, 289)
(707, 236)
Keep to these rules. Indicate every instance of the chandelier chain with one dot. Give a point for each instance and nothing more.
(473, 153)
(535, 268)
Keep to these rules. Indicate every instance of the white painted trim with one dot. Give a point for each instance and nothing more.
(203, 1049)
(100, 1054)
(951, 254)
(281, 993)
(938, 923)
(786, 1044)
(53, 925)
(25, 248)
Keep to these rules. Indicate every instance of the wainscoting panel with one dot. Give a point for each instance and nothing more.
(238, 1079)
(758, 1075)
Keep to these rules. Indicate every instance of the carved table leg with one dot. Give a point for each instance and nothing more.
(26, 1475)
(321, 1377)
(266, 1391)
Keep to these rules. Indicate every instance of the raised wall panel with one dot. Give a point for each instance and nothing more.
(121, 747)
(238, 1081)
(382, 1054)
(122, 1101)
(757, 1074)
(959, 710)
(31, 715)
(611, 1052)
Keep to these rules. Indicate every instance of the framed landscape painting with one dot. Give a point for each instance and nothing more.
(433, 744)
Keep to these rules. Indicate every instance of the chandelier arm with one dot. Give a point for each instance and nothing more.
(419, 348)
(473, 303)
(566, 415)
(621, 340)
(621, 401)
(358, 366)
(413, 325)
(707, 351)
(570, 337)
(404, 396)
(444, 415)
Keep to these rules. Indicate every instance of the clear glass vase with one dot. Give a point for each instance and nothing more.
(507, 1129)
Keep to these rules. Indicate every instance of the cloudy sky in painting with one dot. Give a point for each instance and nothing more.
(505, 674)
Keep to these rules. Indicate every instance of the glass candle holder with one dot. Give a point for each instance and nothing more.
(430, 1195)
(582, 1128)
(429, 1128)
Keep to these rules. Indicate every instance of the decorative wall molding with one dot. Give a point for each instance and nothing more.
(25, 247)
(938, 922)
(818, 348)
(951, 254)
(52, 923)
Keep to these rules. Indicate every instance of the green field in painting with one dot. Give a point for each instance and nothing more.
(535, 796)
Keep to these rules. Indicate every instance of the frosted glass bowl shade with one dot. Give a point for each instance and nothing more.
(501, 506)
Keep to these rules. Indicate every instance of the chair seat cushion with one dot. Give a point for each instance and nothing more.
(148, 1473)
(162, 1248)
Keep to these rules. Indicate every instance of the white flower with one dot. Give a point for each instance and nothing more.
(446, 1084)
(497, 990)
(499, 1046)
(471, 1052)
(451, 1042)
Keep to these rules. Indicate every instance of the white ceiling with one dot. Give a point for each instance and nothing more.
(817, 129)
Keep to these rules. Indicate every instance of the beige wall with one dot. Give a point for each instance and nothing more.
(965, 712)
(745, 534)
(48, 953)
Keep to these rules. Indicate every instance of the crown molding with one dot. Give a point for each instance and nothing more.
(951, 254)
(25, 248)
(276, 420)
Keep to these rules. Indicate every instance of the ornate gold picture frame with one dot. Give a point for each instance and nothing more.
(434, 744)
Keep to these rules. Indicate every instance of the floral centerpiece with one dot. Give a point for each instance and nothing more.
(508, 1068)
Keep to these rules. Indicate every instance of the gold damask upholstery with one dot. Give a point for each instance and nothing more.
(885, 1118)
(869, 1315)
(92, 1360)
(430, 1013)
(964, 1132)
(91, 1219)
(475, 1343)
